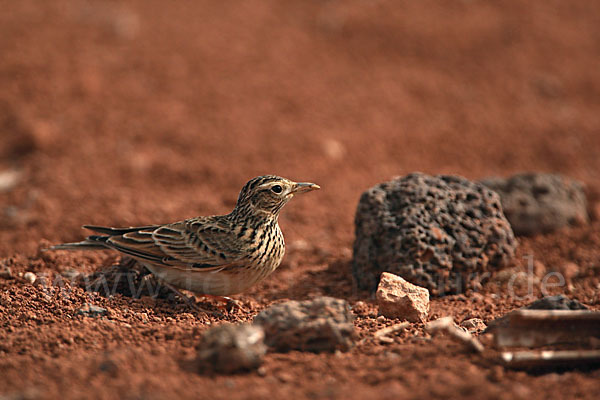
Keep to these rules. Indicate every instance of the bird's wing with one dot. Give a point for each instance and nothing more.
(118, 231)
(205, 243)
(204, 240)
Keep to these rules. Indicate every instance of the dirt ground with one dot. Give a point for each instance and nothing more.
(145, 111)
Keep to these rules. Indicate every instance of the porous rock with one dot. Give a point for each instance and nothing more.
(537, 203)
(230, 348)
(321, 324)
(439, 232)
(398, 298)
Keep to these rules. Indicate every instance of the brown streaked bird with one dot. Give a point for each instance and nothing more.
(216, 255)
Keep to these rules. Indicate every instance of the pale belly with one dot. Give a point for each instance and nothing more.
(218, 282)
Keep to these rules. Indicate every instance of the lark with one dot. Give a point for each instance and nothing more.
(217, 255)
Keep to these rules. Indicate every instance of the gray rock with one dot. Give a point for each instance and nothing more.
(537, 203)
(230, 348)
(91, 310)
(558, 302)
(322, 324)
(6, 273)
(439, 232)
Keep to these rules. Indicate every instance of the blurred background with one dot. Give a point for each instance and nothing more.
(148, 111)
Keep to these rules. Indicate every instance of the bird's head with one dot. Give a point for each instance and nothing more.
(267, 194)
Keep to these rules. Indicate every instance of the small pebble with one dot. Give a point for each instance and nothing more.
(9, 179)
(473, 325)
(6, 273)
(30, 277)
(92, 311)
(230, 348)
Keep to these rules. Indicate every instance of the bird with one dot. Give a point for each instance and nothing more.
(217, 255)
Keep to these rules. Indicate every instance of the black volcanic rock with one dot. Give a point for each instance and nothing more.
(440, 232)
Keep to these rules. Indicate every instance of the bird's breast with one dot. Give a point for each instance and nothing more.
(267, 246)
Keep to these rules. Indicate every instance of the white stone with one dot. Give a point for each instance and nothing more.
(30, 277)
(398, 298)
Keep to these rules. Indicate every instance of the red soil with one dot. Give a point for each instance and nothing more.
(135, 112)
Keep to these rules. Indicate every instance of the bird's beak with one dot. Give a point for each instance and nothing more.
(305, 187)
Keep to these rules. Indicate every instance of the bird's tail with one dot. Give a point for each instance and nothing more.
(90, 243)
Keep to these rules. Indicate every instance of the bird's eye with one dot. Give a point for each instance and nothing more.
(277, 189)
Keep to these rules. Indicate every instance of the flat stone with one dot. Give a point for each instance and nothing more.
(398, 298)
(318, 325)
(558, 302)
(91, 310)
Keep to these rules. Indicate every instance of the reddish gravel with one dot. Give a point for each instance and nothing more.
(134, 112)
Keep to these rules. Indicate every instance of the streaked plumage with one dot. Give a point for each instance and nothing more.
(215, 255)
